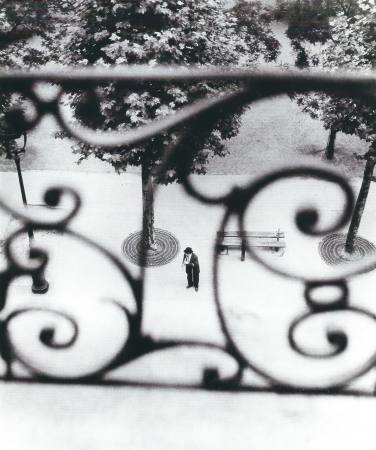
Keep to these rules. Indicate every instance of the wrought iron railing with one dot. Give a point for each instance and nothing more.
(325, 300)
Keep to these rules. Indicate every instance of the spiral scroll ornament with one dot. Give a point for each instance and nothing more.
(336, 356)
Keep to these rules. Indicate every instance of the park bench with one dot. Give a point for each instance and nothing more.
(237, 240)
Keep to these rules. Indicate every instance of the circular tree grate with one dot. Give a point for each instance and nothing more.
(166, 243)
(332, 249)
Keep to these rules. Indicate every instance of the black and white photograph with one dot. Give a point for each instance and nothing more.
(187, 224)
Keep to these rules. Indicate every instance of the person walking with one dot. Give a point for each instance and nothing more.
(192, 268)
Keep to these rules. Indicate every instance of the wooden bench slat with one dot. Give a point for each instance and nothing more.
(250, 234)
(267, 244)
(240, 233)
(255, 244)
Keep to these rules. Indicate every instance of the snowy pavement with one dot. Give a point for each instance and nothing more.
(258, 308)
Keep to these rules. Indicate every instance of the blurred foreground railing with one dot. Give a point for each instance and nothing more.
(343, 355)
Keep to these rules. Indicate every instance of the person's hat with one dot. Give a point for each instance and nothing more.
(188, 250)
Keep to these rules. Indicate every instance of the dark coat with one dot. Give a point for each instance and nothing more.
(193, 264)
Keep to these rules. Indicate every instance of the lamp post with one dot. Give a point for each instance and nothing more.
(8, 135)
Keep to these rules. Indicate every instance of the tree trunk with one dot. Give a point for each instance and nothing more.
(329, 151)
(360, 204)
(148, 209)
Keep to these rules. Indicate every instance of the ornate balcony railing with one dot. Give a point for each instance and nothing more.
(326, 305)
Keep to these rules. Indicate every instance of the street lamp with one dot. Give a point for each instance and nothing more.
(8, 135)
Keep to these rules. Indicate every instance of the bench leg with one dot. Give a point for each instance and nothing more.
(243, 251)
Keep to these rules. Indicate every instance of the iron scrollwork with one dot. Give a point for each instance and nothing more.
(327, 314)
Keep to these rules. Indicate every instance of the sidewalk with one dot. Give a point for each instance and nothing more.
(258, 307)
(111, 210)
(66, 418)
